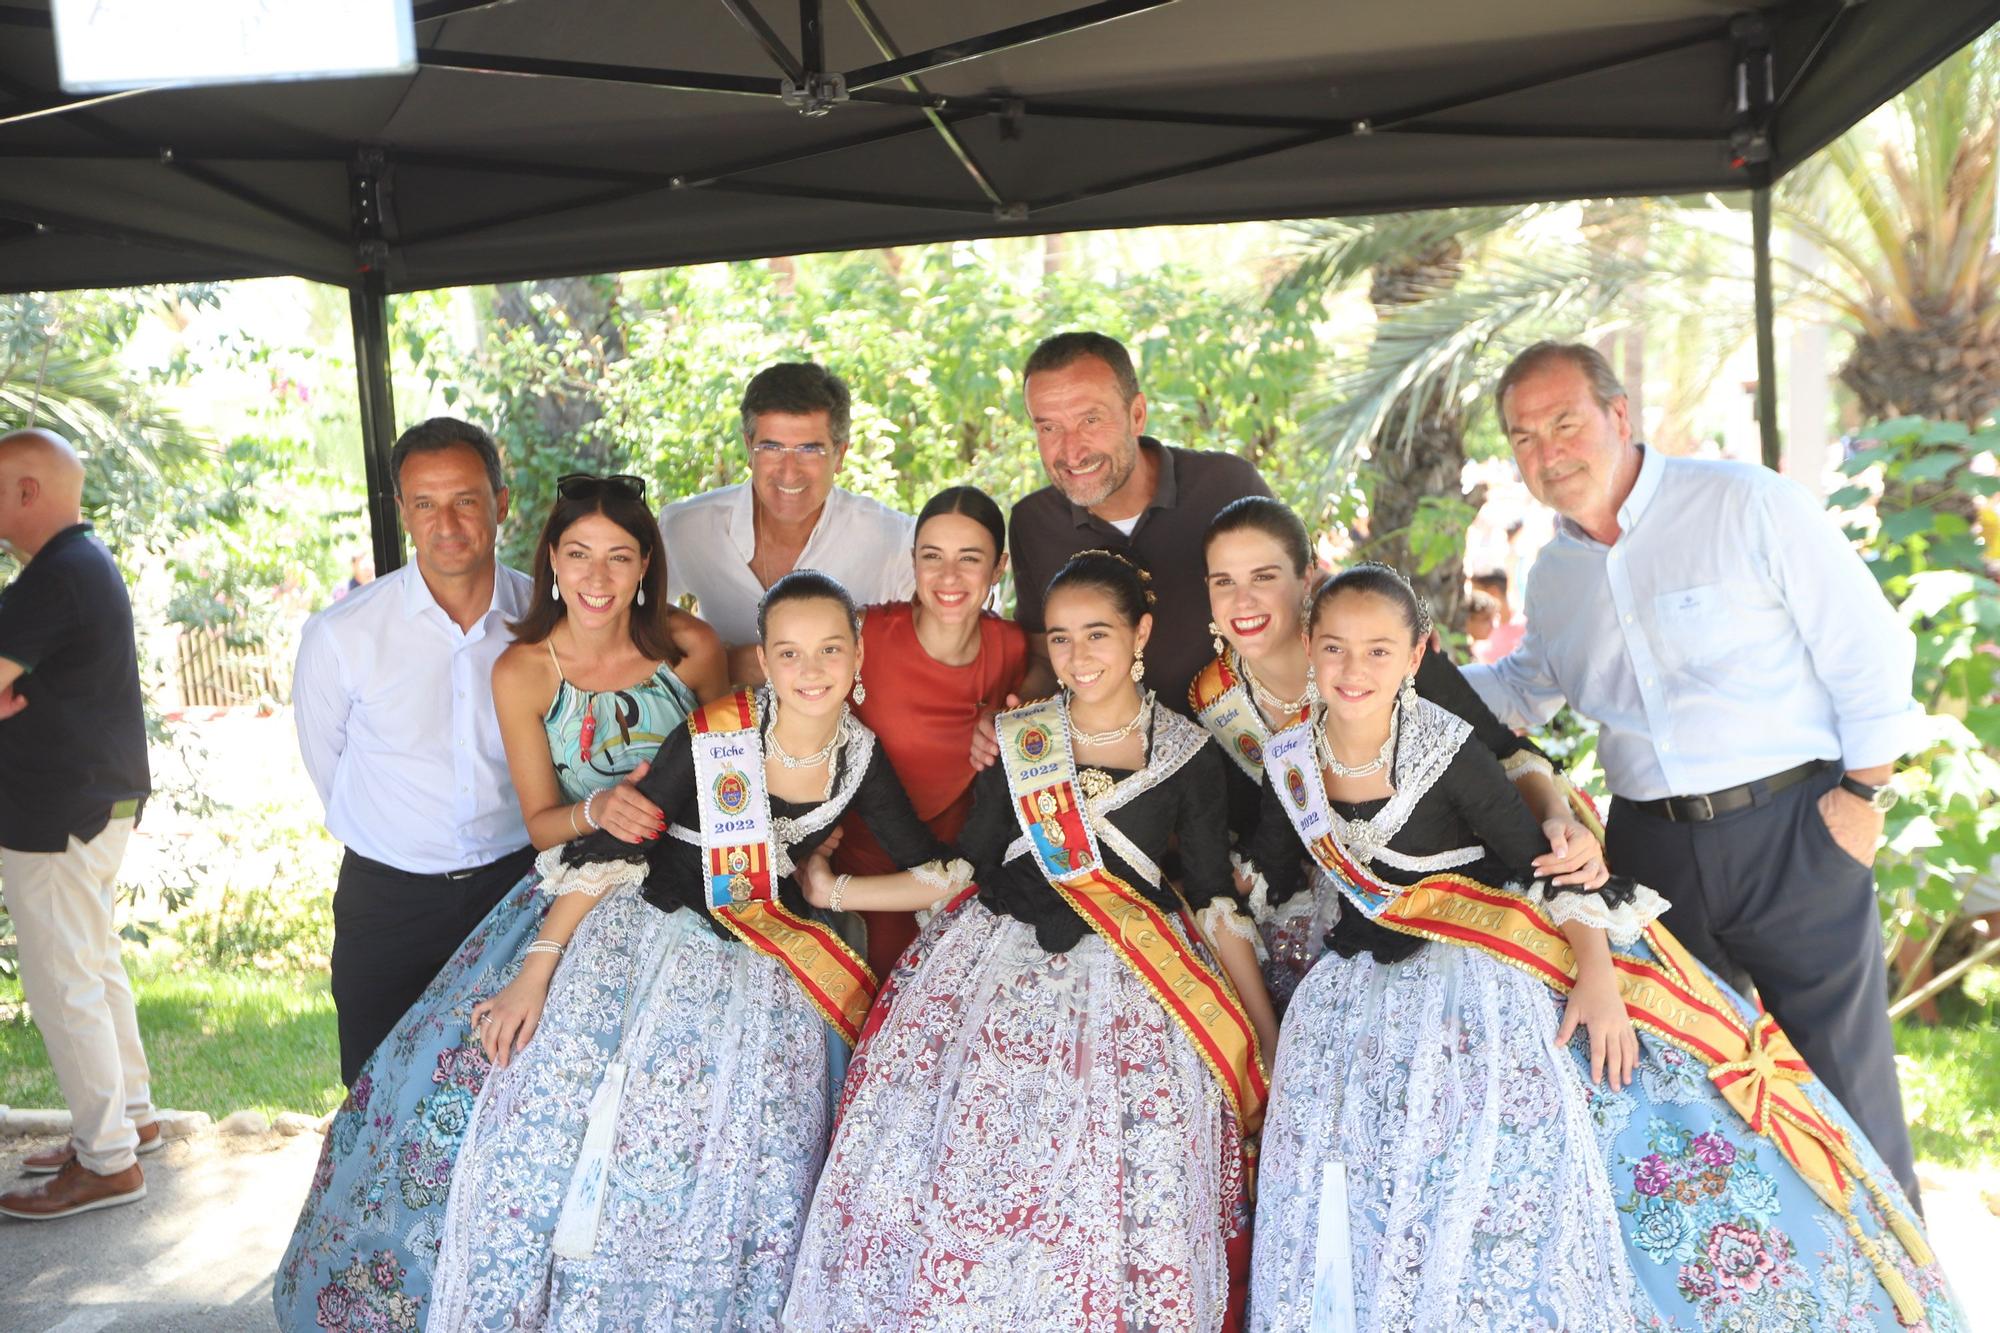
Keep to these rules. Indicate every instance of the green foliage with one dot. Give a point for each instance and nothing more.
(1437, 531)
(1951, 1088)
(60, 369)
(286, 928)
(1932, 567)
(930, 340)
(263, 542)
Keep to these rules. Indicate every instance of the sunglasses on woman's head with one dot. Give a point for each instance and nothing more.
(585, 485)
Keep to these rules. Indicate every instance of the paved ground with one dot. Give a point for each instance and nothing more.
(196, 1256)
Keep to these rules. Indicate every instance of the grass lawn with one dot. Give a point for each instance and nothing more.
(1951, 1089)
(218, 1040)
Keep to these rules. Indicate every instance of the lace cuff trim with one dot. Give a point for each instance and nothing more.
(595, 878)
(1226, 914)
(949, 878)
(1527, 761)
(1259, 901)
(1622, 922)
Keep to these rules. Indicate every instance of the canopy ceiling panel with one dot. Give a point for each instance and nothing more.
(544, 137)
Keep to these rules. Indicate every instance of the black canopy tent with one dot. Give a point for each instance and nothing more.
(549, 137)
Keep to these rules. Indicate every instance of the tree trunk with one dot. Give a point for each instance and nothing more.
(1412, 462)
(1944, 372)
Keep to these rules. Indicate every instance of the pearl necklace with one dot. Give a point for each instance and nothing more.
(1373, 766)
(1117, 734)
(1270, 702)
(817, 757)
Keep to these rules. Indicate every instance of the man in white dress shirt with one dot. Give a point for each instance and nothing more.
(393, 697)
(1752, 691)
(726, 546)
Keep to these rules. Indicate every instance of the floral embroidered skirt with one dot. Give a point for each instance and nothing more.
(718, 1137)
(1027, 1142)
(362, 1255)
(1491, 1186)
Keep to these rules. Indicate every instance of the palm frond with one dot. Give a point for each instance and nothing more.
(1439, 348)
(1329, 253)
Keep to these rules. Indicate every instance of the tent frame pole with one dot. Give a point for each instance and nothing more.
(368, 306)
(368, 311)
(1767, 344)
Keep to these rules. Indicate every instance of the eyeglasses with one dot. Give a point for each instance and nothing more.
(805, 453)
(586, 486)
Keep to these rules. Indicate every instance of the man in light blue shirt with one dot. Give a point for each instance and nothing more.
(1752, 691)
(393, 698)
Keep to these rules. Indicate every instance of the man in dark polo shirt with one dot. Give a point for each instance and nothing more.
(1112, 486)
(72, 776)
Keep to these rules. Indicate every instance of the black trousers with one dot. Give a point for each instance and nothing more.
(392, 932)
(1765, 897)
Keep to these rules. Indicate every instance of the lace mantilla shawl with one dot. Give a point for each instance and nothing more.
(1427, 741)
(1428, 745)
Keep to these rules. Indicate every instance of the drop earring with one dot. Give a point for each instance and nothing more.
(641, 599)
(860, 690)
(1138, 667)
(555, 591)
(1220, 646)
(1406, 697)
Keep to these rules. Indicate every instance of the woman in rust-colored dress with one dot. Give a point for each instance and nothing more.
(931, 667)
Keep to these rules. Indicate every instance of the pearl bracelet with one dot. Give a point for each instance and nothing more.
(839, 890)
(544, 946)
(589, 801)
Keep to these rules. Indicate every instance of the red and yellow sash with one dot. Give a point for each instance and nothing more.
(1041, 774)
(738, 861)
(1220, 698)
(1753, 1064)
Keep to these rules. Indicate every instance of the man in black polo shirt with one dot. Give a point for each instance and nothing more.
(1113, 486)
(72, 776)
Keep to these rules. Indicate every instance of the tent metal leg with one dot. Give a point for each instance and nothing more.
(369, 307)
(1767, 344)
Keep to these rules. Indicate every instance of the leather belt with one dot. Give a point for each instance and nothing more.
(397, 872)
(1711, 805)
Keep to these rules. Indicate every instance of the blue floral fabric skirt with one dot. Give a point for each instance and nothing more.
(1490, 1185)
(362, 1255)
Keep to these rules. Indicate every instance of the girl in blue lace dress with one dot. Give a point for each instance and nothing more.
(601, 672)
(1440, 1155)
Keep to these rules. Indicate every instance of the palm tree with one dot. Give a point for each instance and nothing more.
(59, 369)
(1902, 207)
(1455, 293)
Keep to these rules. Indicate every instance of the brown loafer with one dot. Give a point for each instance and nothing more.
(48, 1162)
(72, 1190)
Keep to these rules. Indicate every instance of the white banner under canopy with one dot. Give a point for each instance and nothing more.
(111, 45)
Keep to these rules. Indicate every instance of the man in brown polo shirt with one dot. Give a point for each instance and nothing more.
(1113, 486)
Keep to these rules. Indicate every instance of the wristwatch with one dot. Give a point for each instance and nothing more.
(1883, 798)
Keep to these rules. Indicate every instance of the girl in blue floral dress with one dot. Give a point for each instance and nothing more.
(366, 1245)
(1438, 1154)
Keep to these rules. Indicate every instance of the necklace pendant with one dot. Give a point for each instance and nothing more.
(1095, 783)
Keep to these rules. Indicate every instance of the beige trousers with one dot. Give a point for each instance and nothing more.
(63, 905)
